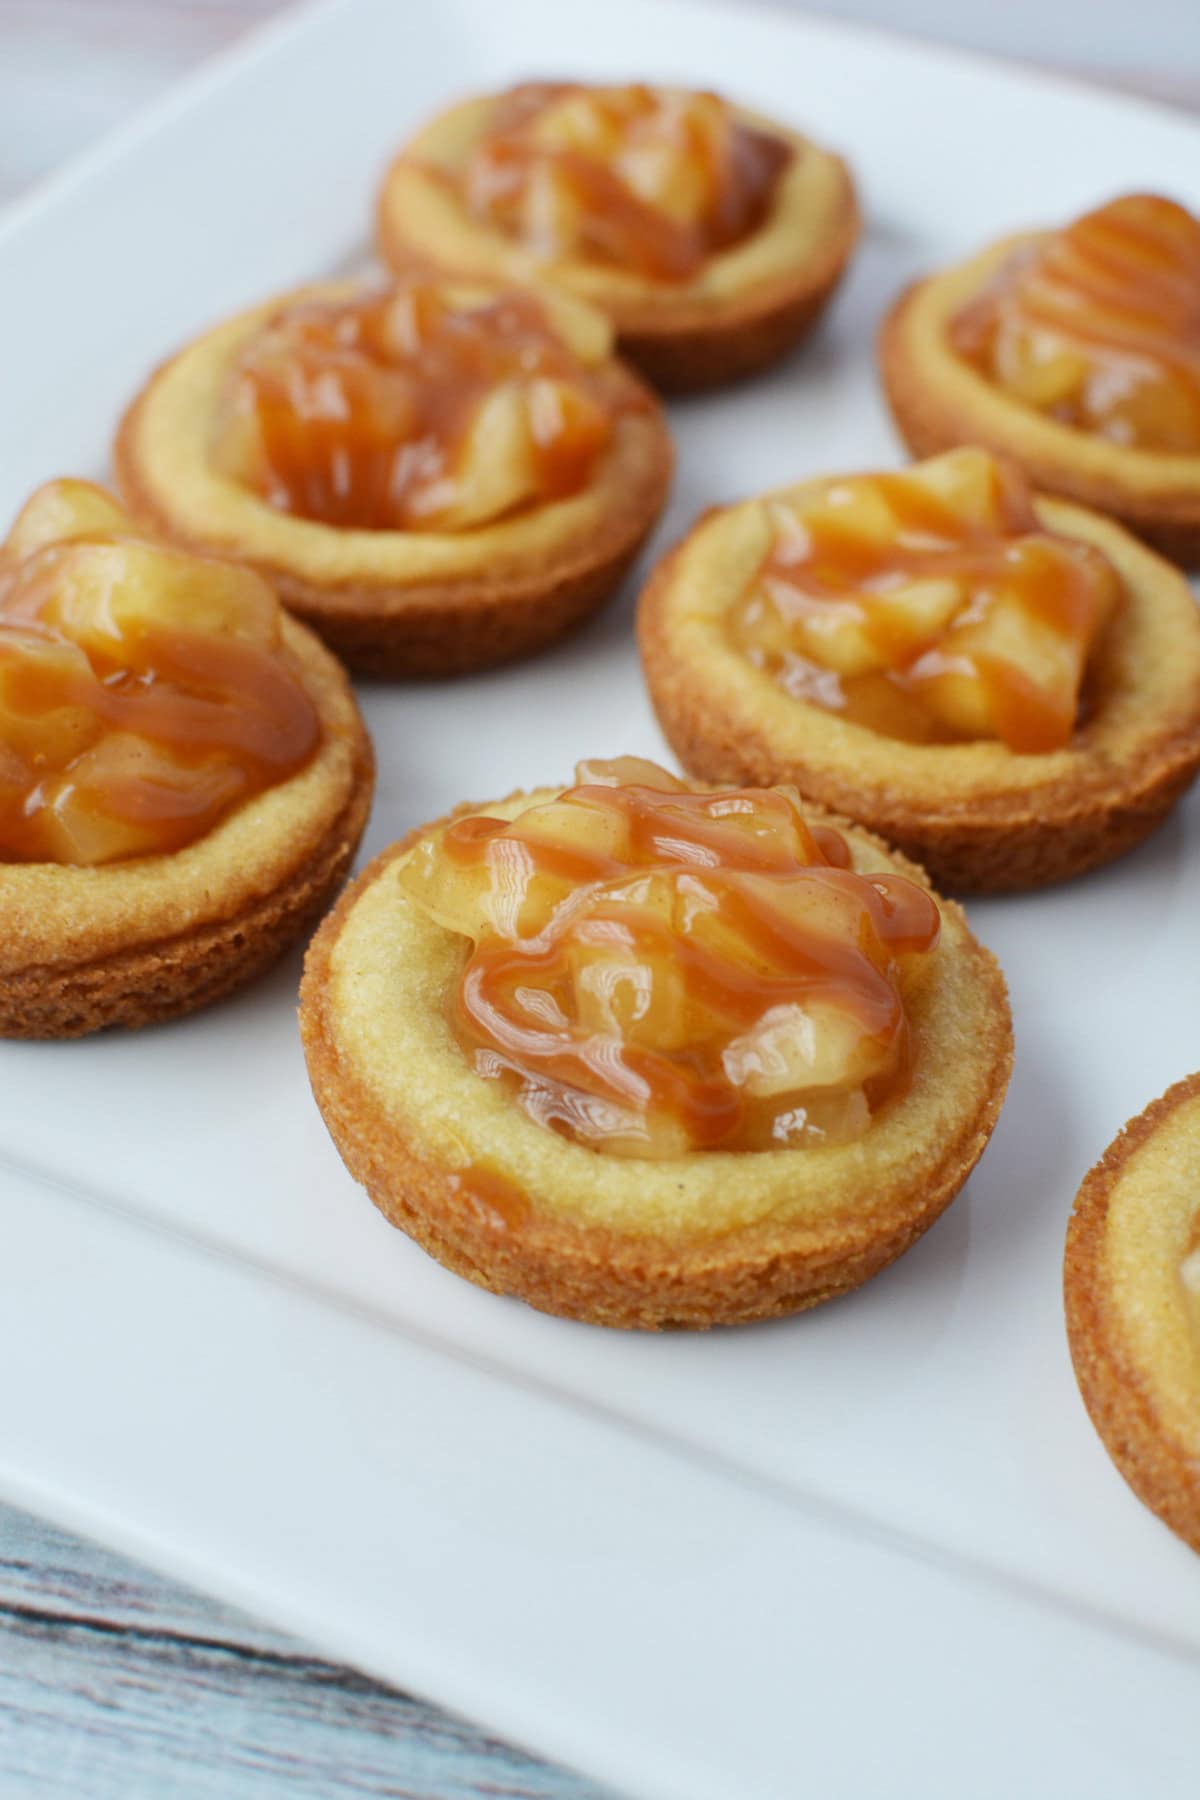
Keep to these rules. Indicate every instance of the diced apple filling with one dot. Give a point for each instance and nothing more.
(666, 146)
(129, 796)
(794, 1049)
(1189, 1274)
(48, 697)
(59, 511)
(656, 970)
(428, 407)
(941, 584)
(106, 595)
(141, 692)
(651, 179)
(1098, 325)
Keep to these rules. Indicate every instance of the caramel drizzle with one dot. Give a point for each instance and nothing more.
(1120, 288)
(233, 716)
(1054, 581)
(513, 1009)
(363, 416)
(618, 225)
(490, 1199)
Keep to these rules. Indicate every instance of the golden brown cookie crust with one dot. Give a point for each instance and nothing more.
(713, 1238)
(131, 943)
(939, 401)
(1143, 1427)
(397, 603)
(744, 310)
(980, 817)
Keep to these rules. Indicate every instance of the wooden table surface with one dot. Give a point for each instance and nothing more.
(115, 1685)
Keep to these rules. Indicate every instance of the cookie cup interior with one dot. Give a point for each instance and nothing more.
(396, 602)
(939, 400)
(1135, 1351)
(979, 816)
(709, 1238)
(763, 291)
(134, 941)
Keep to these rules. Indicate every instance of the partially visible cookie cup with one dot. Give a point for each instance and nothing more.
(396, 603)
(939, 400)
(743, 310)
(137, 942)
(980, 817)
(1135, 1222)
(709, 1238)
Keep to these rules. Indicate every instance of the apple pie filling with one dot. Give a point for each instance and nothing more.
(653, 970)
(423, 407)
(1098, 325)
(931, 606)
(653, 181)
(144, 691)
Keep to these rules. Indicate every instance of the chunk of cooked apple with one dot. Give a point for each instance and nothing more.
(59, 511)
(49, 698)
(109, 596)
(118, 796)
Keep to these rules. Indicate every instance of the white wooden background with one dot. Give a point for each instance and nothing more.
(115, 1685)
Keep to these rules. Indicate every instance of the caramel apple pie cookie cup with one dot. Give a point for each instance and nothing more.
(711, 237)
(1132, 1289)
(649, 1055)
(434, 477)
(1003, 685)
(1077, 353)
(184, 774)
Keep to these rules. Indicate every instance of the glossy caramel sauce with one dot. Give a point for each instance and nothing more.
(419, 407)
(491, 1198)
(650, 180)
(1098, 325)
(655, 971)
(144, 692)
(1189, 1275)
(930, 606)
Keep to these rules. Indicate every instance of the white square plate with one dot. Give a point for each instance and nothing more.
(875, 1549)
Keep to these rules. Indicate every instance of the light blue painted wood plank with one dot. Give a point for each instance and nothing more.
(116, 1685)
(51, 1572)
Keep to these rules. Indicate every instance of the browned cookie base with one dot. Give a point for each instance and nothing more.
(155, 982)
(696, 349)
(1005, 841)
(1008, 848)
(129, 943)
(1158, 1469)
(486, 612)
(644, 1282)
(928, 422)
(747, 306)
(456, 628)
